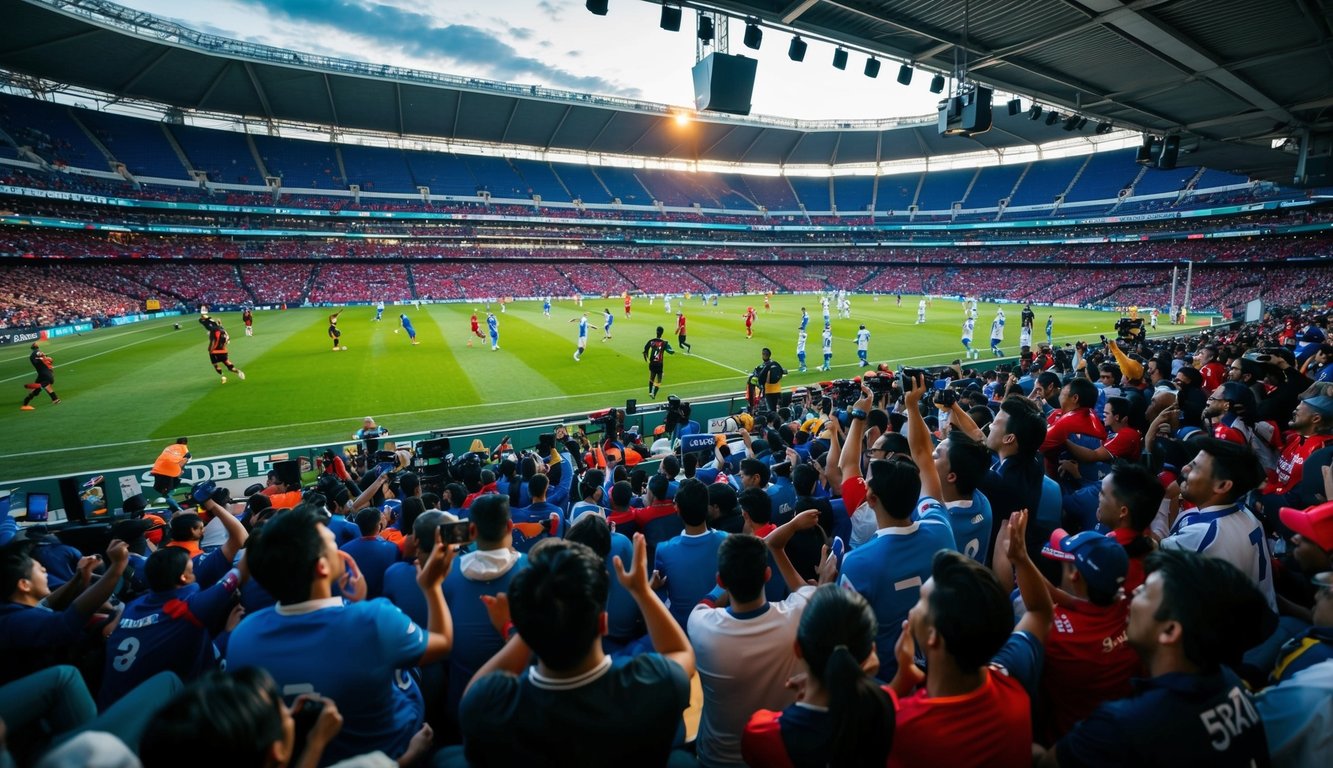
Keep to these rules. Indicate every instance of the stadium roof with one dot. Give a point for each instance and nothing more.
(1228, 72)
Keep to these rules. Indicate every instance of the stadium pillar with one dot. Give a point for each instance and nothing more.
(1189, 274)
(1175, 275)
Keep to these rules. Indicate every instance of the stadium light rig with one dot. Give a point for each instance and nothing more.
(597, 7)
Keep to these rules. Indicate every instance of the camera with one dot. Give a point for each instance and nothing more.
(608, 421)
(845, 392)
(1128, 329)
(926, 377)
(945, 398)
(879, 383)
(677, 413)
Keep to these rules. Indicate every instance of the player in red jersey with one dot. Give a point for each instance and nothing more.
(680, 332)
(476, 329)
(628, 302)
(749, 322)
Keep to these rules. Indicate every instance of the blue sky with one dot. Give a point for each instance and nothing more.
(553, 43)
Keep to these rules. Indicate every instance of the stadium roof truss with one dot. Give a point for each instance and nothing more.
(1229, 75)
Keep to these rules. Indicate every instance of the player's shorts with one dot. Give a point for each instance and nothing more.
(655, 370)
(334, 333)
(680, 339)
(217, 357)
(583, 342)
(45, 379)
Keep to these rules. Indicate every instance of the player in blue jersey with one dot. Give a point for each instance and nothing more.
(800, 349)
(407, 326)
(607, 320)
(969, 327)
(582, 320)
(805, 318)
(546, 306)
(863, 346)
(493, 325)
(297, 561)
(169, 629)
(1050, 327)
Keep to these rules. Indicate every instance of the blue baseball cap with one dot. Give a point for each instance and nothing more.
(1100, 560)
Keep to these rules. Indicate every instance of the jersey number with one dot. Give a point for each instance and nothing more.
(129, 648)
(1257, 539)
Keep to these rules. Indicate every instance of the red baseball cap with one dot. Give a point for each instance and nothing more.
(1315, 523)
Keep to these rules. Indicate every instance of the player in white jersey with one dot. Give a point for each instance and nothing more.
(863, 346)
(582, 320)
(997, 333)
(800, 349)
(666, 301)
(828, 348)
(969, 326)
(921, 312)
(1025, 337)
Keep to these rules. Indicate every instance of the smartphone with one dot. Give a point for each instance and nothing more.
(304, 718)
(384, 466)
(39, 507)
(455, 533)
(838, 548)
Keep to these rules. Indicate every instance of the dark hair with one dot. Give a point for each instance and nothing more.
(538, 485)
(969, 609)
(182, 525)
(1084, 391)
(755, 467)
(670, 466)
(1191, 374)
(410, 483)
(836, 635)
(412, 508)
(741, 563)
(423, 528)
(804, 478)
(877, 417)
(1243, 402)
(1025, 424)
(637, 479)
(228, 719)
(592, 480)
(430, 500)
(1221, 613)
(722, 496)
(756, 503)
(15, 565)
(164, 568)
(455, 494)
(1233, 462)
(692, 501)
(897, 485)
(557, 600)
(621, 494)
(282, 555)
(968, 461)
(593, 532)
(1120, 407)
(368, 520)
(490, 513)
(1048, 379)
(1139, 490)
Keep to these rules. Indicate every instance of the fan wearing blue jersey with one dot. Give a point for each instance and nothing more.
(575, 705)
(889, 569)
(493, 325)
(949, 473)
(582, 320)
(800, 348)
(685, 566)
(295, 558)
(169, 629)
(607, 320)
(372, 553)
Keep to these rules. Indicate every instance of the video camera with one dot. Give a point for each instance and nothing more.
(844, 392)
(677, 413)
(1129, 329)
(610, 421)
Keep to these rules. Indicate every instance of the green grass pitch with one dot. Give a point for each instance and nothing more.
(129, 390)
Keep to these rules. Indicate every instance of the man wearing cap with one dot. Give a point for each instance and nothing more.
(1088, 659)
(1193, 619)
(1312, 545)
(1312, 429)
(1220, 526)
(369, 434)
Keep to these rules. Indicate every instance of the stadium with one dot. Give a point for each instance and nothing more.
(476, 265)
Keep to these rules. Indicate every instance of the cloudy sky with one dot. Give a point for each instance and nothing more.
(553, 43)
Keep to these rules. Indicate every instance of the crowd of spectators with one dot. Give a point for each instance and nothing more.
(839, 581)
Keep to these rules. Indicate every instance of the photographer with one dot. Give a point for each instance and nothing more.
(369, 434)
(768, 375)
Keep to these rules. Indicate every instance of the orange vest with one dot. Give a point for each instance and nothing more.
(172, 460)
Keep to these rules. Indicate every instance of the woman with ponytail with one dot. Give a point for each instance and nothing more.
(843, 717)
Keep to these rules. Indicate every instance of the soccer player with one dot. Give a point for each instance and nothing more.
(248, 318)
(805, 319)
(493, 325)
(653, 352)
(546, 306)
(749, 322)
(680, 332)
(920, 312)
(628, 302)
(863, 346)
(997, 333)
(768, 301)
(407, 326)
(582, 320)
(1050, 328)
(334, 333)
(823, 304)
(666, 302)
(379, 311)
(607, 320)
(969, 327)
(1025, 337)
(476, 329)
(1152, 320)
(828, 348)
(800, 349)
(217, 348)
(46, 380)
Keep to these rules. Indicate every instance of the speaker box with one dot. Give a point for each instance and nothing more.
(69, 497)
(724, 83)
(288, 472)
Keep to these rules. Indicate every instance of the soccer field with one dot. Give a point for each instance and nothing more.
(129, 390)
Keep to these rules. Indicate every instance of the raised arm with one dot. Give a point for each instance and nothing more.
(440, 624)
(777, 545)
(850, 463)
(918, 437)
(1031, 584)
(236, 533)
